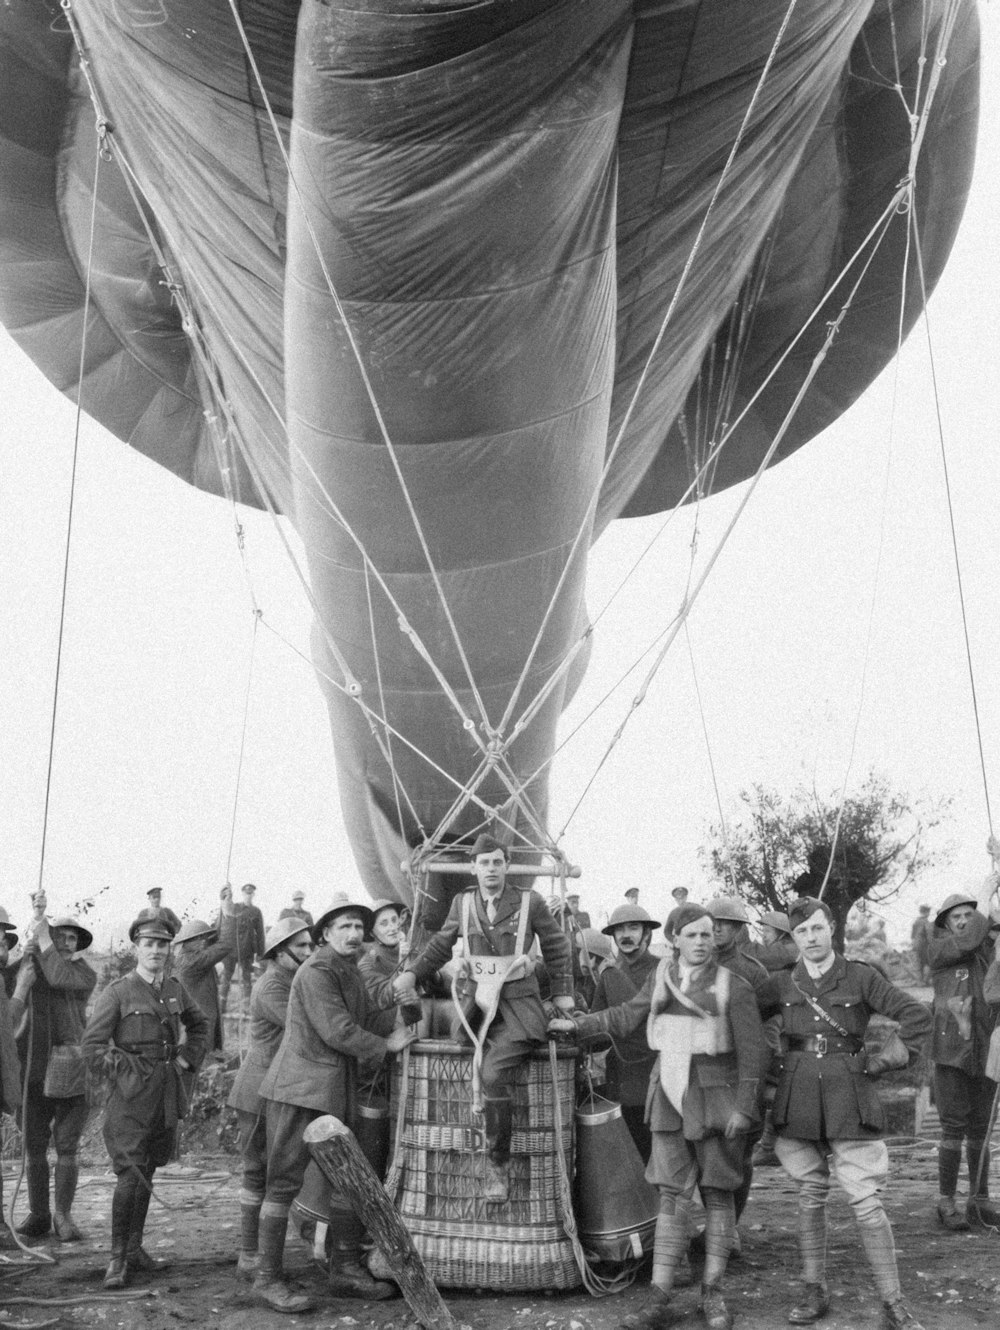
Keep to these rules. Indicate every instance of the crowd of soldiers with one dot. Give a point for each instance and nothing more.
(725, 1053)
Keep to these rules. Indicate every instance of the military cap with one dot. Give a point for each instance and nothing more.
(486, 844)
(340, 903)
(687, 914)
(248, 886)
(299, 895)
(776, 919)
(628, 914)
(150, 923)
(155, 891)
(956, 898)
(727, 909)
(803, 908)
(281, 932)
(192, 929)
(84, 937)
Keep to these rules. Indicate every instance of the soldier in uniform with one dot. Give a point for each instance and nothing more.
(148, 1036)
(630, 1059)
(11, 1011)
(297, 909)
(54, 1113)
(333, 1036)
(959, 955)
(155, 898)
(243, 929)
(197, 951)
(286, 946)
(704, 1097)
(827, 1111)
(380, 960)
(499, 922)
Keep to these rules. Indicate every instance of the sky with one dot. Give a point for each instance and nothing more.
(828, 641)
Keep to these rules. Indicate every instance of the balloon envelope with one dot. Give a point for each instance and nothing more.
(453, 288)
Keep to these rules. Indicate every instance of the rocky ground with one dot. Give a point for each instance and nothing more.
(952, 1281)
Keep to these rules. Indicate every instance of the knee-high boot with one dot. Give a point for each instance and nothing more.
(499, 1117)
(269, 1284)
(64, 1187)
(348, 1278)
(949, 1164)
(137, 1256)
(39, 1219)
(122, 1204)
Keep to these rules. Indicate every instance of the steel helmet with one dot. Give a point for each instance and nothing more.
(956, 898)
(627, 914)
(192, 929)
(777, 920)
(596, 943)
(84, 937)
(281, 932)
(340, 903)
(728, 909)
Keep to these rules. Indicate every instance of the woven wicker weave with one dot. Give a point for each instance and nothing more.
(439, 1173)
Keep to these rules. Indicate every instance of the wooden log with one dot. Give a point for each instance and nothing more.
(339, 1158)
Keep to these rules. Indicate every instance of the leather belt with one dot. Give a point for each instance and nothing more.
(821, 1044)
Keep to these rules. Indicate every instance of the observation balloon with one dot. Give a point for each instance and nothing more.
(452, 287)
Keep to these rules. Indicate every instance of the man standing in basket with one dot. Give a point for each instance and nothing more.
(827, 1111)
(134, 1038)
(498, 924)
(334, 1036)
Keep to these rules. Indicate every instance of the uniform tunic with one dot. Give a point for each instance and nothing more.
(268, 1011)
(829, 1097)
(196, 971)
(378, 967)
(520, 1022)
(333, 1035)
(630, 1059)
(718, 1083)
(134, 1034)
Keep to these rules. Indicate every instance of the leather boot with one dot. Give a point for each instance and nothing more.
(346, 1276)
(122, 1203)
(717, 1315)
(39, 1219)
(813, 1307)
(64, 1186)
(656, 1313)
(269, 1286)
(499, 1115)
(949, 1216)
(136, 1255)
(897, 1316)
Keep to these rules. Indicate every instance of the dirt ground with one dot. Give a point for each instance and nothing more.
(952, 1281)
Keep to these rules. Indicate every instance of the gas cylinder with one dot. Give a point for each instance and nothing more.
(615, 1206)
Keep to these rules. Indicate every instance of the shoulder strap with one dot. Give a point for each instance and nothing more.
(825, 1015)
(522, 923)
(682, 998)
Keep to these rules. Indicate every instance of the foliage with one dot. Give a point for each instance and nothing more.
(866, 848)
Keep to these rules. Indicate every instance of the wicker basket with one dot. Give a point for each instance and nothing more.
(438, 1174)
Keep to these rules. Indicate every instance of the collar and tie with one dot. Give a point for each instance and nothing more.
(491, 909)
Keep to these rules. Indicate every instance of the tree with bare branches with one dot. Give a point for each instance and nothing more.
(866, 847)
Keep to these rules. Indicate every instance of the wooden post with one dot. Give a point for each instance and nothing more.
(339, 1158)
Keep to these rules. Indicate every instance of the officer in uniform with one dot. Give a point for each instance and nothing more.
(826, 1110)
(493, 918)
(134, 1037)
(286, 946)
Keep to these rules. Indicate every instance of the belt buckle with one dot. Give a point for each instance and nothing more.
(820, 1045)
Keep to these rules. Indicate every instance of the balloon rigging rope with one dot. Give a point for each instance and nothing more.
(671, 633)
(243, 741)
(101, 155)
(376, 657)
(356, 351)
(711, 762)
(696, 245)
